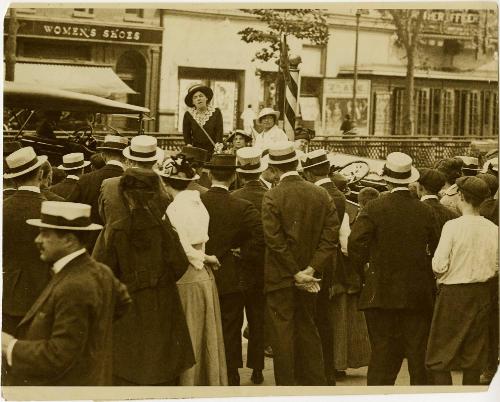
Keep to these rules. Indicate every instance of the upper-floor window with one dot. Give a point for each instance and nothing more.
(134, 13)
(83, 12)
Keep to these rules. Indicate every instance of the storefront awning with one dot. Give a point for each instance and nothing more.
(100, 81)
(400, 71)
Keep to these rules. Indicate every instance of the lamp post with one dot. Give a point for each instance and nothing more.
(355, 83)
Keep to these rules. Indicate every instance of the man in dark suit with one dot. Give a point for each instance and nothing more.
(235, 230)
(73, 165)
(250, 167)
(88, 188)
(316, 167)
(65, 337)
(301, 233)
(9, 186)
(24, 275)
(393, 234)
(430, 183)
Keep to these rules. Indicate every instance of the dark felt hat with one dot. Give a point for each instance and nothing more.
(473, 186)
(432, 179)
(11, 146)
(194, 153)
(222, 161)
(188, 100)
(247, 136)
(490, 180)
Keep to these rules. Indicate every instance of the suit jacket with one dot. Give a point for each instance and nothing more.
(393, 233)
(66, 336)
(24, 274)
(64, 188)
(234, 223)
(441, 214)
(489, 209)
(7, 192)
(338, 198)
(300, 228)
(50, 196)
(88, 188)
(253, 273)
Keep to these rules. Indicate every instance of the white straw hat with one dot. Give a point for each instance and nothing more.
(398, 169)
(73, 161)
(22, 161)
(249, 160)
(65, 216)
(143, 148)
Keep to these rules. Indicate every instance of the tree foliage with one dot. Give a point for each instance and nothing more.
(306, 24)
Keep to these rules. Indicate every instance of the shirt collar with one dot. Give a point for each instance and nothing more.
(72, 176)
(116, 163)
(9, 188)
(34, 189)
(62, 262)
(429, 197)
(399, 189)
(322, 181)
(266, 183)
(291, 173)
(221, 186)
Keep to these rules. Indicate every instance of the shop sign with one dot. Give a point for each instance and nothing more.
(88, 32)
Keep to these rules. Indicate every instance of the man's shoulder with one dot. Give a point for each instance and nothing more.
(111, 182)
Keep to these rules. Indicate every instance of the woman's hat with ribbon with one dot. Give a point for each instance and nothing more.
(249, 160)
(22, 161)
(73, 161)
(248, 137)
(143, 148)
(113, 143)
(267, 111)
(398, 169)
(188, 100)
(177, 168)
(64, 216)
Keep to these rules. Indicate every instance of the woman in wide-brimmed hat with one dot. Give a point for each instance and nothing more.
(202, 125)
(271, 133)
(197, 287)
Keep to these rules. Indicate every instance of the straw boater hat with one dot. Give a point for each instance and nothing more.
(64, 216)
(315, 158)
(267, 111)
(188, 100)
(175, 168)
(240, 132)
(250, 161)
(73, 161)
(114, 143)
(222, 162)
(398, 169)
(22, 161)
(142, 148)
(282, 152)
(470, 165)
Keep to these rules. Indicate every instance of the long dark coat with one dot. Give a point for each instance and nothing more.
(24, 274)
(151, 342)
(394, 233)
(65, 338)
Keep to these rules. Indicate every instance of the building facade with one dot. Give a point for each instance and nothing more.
(456, 76)
(114, 53)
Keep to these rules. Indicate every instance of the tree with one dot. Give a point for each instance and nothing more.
(408, 25)
(304, 24)
(10, 46)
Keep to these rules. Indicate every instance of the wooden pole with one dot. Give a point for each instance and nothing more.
(10, 46)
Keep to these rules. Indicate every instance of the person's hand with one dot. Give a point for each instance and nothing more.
(305, 277)
(236, 252)
(212, 262)
(311, 287)
(6, 339)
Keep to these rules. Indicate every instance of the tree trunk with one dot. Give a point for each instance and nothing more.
(10, 47)
(409, 109)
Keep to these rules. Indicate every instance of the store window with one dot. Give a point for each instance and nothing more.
(309, 102)
(448, 113)
(397, 111)
(474, 118)
(421, 100)
(435, 112)
(60, 50)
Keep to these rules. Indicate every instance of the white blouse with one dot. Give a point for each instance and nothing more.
(267, 138)
(190, 219)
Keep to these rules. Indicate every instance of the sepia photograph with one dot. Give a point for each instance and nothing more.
(244, 199)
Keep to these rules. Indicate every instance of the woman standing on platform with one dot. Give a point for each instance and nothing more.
(202, 126)
(197, 288)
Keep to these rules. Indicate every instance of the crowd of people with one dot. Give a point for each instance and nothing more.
(142, 271)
